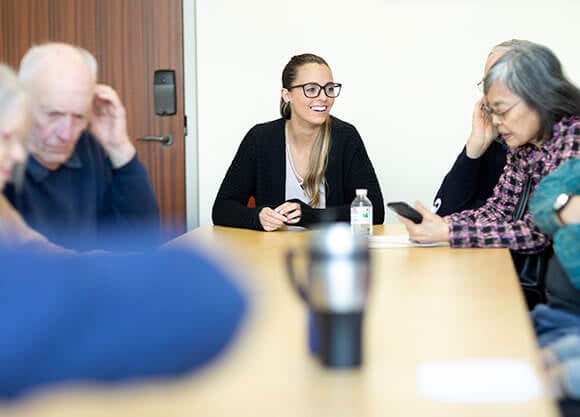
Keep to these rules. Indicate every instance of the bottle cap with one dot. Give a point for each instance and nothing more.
(361, 191)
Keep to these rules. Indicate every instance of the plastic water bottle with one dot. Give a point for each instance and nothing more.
(361, 214)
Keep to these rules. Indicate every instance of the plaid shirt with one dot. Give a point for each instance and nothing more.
(491, 226)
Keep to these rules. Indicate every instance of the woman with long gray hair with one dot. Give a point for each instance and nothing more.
(476, 171)
(303, 167)
(536, 111)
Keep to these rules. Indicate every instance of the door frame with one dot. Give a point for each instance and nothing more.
(190, 111)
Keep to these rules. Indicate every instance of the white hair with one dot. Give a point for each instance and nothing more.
(35, 56)
(90, 60)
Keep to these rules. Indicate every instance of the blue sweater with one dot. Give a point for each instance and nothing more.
(110, 317)
(82, 202)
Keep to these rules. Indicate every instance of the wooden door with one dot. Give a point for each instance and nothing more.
(130, 39)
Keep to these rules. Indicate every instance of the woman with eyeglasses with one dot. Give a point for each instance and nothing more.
(536, 111)
(303, 168)
(14, 126)
(476, 171)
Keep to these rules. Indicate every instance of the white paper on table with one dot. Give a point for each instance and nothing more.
(478, 381)
(398, 241)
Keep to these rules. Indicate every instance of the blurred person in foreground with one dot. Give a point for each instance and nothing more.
(110, 318)
(14, 128)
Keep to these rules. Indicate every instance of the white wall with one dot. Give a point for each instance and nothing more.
(408, 68)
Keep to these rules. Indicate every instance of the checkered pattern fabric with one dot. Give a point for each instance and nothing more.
(491, 225)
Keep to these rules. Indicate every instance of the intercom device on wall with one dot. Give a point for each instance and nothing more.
(164, 92)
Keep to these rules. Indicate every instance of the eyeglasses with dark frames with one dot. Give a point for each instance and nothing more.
(499, 114)
(312, 90)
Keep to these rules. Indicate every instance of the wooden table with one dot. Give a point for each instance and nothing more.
(426, 304)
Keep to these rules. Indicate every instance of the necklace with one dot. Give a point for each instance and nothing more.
(296, 174)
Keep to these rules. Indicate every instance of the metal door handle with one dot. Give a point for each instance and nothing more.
(166, 139)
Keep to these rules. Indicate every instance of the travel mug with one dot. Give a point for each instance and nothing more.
(336, 292)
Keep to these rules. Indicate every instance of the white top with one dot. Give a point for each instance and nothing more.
(294, 183)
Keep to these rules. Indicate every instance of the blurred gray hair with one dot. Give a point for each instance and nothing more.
(11, 90)
(32, 60)
(12, 93)
(507, 45)
(534, 73)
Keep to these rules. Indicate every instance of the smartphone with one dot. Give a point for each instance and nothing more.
(405, 210)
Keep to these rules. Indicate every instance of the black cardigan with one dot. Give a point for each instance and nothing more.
(259, 170)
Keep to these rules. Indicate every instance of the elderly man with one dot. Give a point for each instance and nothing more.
(83, 179)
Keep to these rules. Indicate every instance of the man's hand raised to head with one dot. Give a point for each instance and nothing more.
(108, 124)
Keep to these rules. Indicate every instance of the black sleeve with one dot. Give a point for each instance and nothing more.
(230, 206)
(470, 182)
(312, 216)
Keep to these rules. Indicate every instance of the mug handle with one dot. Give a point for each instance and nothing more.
(299, 288)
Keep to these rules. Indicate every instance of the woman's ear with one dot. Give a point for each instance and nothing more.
(285, 95)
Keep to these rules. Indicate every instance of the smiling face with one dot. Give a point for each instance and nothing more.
(312, 111)
(519, 124)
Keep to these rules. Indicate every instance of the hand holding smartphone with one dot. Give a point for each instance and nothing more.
(405, 210)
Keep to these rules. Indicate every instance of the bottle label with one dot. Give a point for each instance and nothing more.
(361, 215)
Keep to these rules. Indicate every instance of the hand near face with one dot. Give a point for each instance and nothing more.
(108, 124)
(285, 213)
(432, 229)
(483, 132)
